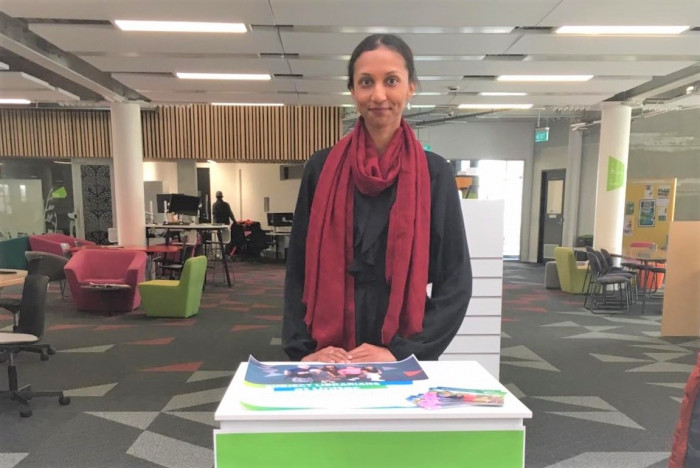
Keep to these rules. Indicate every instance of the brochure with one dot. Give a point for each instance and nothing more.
(319, 385)
(449, 397)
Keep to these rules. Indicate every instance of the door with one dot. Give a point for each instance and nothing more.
(551, 213)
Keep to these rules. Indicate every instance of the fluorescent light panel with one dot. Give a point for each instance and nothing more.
(262, 104)
(180, 26)
(490, 93)
(494, 106)
(623, 30)
(14, 101)
(544, 77)
(224, 76)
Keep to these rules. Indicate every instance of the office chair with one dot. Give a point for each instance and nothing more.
(29, 331)
(47, 264)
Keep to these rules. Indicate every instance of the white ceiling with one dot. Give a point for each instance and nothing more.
(317, 36)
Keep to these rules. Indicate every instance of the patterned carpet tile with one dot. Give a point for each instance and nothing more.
(604, 390)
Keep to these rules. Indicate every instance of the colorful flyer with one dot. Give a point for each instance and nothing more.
(303, 373)
(449, 397)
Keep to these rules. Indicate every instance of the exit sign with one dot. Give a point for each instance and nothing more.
(426, 147)
(541, 134)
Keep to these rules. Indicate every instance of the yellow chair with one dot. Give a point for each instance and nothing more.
(572, 277)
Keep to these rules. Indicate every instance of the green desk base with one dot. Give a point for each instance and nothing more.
(492, 449)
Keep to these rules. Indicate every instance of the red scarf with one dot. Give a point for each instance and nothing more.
(329, 290)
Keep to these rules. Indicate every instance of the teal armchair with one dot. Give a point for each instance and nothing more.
(175, 298)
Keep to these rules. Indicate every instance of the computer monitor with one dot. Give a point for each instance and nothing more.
(162, 201)
(280, 219)
(184, 204)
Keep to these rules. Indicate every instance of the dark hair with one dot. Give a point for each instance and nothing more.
(389, 41)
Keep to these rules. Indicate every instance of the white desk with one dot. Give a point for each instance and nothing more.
(415, 437)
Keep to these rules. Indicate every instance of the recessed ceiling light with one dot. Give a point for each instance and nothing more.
(180, 26)
(489, 93)
(262, 104)
(223, 76)
(622, 30)
(494, 106)
(15, 101)
(544, 77)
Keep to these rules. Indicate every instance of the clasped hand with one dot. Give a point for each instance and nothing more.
(363, 353)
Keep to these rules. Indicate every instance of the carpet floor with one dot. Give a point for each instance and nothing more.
(604, 390)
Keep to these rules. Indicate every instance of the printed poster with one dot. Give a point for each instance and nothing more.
(628, 228)
(648, 191)
(664, 191)
(647, 210)
(629, 208)
(663, 212)
(304, 385)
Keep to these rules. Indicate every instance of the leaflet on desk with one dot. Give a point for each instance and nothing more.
(319, 385)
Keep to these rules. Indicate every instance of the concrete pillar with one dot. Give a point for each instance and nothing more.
(573, 187)
(127, 151)
(613, 154)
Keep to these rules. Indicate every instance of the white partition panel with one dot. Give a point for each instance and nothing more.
(479, 337)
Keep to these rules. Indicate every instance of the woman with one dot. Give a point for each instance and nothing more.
(377, 219)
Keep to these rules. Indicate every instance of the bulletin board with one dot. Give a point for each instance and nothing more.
(649, 206)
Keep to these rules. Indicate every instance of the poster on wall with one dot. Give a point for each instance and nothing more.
(647, 210)
(648, 191)
(628, 228)
(664, 191)
(663, 213)
(629, 208)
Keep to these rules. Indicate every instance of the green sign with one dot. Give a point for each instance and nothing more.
(426, 147)
(541, 134)
(616, 174)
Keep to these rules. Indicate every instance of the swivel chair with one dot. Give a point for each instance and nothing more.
(29, 331)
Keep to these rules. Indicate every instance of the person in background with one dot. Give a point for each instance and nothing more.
(221, 214)
(377, 220)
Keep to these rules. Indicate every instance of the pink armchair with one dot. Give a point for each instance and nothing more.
(51, 242)
(106, 266)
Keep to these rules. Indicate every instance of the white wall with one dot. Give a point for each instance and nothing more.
(490, 140)
(165, 172)
(246, 185)
(589, 176)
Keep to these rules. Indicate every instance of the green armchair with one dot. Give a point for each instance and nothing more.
(175, 298)
(572, 277)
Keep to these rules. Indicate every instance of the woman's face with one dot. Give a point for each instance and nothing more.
(381, 87)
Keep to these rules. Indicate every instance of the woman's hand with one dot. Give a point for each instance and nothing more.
(328, 354)
(370, 353)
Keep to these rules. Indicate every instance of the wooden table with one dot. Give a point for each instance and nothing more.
(644, 257)
(10, 277)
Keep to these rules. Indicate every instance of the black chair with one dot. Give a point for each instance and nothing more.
(598, 287)
(608, 267)
(29, 331)
(47, 264)
(174, 268)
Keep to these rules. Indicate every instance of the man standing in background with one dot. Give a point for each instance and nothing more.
(221, 213)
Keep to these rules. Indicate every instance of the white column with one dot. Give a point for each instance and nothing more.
(127, 152)
(573, 187)
(612, 176)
